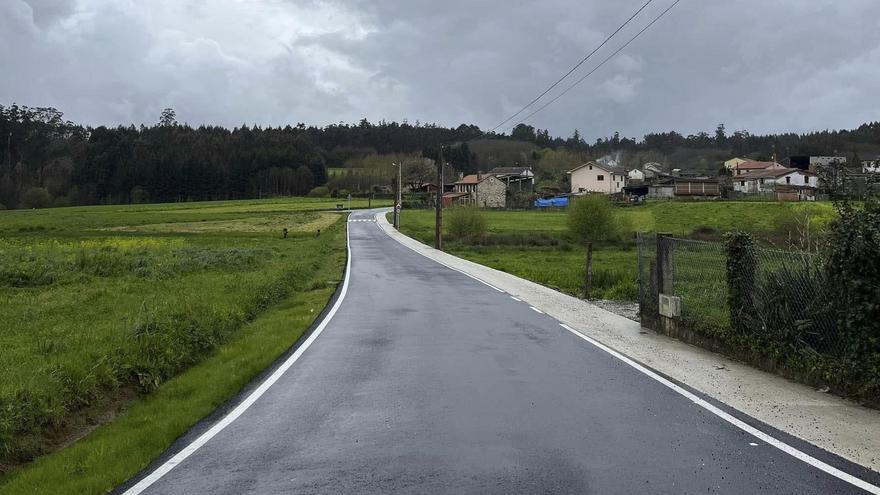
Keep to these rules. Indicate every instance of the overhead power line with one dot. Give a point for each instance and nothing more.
(603, 62)
(521, 110)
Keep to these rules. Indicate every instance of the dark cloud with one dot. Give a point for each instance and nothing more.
(763, 66)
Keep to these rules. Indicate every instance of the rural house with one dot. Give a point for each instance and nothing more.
(652, 170)
(596, 177)
(751, 166)
(733, 163)
(516, 178)
(482, 190)
(871, 166)
(801, 183)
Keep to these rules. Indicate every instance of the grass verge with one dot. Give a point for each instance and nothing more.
(144, 428)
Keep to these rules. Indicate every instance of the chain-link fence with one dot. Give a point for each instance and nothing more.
(763, 295)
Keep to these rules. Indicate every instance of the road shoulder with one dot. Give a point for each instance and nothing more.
(831, 423)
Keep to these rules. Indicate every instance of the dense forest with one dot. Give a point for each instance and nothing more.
(46, 160)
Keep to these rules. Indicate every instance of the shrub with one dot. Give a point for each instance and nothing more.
(2, 206)
(61, 201)
(852, 274)
(591, 219)
(319, 192)
(466, 223)
(36, 197)
(139, 195)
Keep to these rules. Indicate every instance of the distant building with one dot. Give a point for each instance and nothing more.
(766, 181)
(871, 166)
(596, 177)
(696, 187)
(752, 165)
(516, 178)
(652, 170)
(661, 189)
(824, 161)
(636, 174)
(733, 162)
(482, 190)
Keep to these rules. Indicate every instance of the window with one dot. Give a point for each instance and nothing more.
(762, 181)
(788, 180)
(742, 183)
(591, 167)
(600, 177)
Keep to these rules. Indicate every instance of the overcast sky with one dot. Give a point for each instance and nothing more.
(761, 65)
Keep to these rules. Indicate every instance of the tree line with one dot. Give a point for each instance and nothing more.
(46, 160)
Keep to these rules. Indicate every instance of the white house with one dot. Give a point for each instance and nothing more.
(636, 174)
(652, 169)
(733, 163)
(750, 166)
(871, 166)
(766, 180)
(595, 177)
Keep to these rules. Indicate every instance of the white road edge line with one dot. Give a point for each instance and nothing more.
(536, 310)
(516, 298)
(256, 394)
(438, 261)
(779, 444)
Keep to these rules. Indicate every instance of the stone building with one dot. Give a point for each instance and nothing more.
(483, 190)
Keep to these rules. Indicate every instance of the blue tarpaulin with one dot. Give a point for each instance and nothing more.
(552, 202)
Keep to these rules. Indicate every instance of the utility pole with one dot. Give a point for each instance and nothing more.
(438, 221)
(399, 204)
(397, 196)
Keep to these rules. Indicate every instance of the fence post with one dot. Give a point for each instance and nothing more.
(664, 264)
(668, 304)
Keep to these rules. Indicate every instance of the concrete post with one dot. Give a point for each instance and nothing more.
(668, 305)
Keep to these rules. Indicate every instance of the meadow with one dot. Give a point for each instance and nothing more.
(534, 244)
(101, 306)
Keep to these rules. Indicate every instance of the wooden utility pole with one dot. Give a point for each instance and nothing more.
(399, 205)
(438, 221)
(396, 211)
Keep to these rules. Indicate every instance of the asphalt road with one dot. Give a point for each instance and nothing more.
(426, 380)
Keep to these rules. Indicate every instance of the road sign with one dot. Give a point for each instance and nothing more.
(397, 207)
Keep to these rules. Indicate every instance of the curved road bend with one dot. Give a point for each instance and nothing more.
(426, 380)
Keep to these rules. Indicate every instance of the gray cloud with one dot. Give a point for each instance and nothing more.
(763, 66)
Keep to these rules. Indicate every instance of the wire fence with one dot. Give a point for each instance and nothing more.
(762, 295)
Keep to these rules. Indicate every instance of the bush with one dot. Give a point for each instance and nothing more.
(319, 192)
(139, 195)
(61, 201)
(36, 197)
(2, 207)
(466, 223)
(591, 219)
(852, 275)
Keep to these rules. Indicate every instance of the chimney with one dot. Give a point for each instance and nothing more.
(479, 175)
(460, 176)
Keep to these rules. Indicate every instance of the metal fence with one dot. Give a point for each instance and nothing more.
(765, 295)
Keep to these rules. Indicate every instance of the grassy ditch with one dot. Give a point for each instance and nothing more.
(94, 318)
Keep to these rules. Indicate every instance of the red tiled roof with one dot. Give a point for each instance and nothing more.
(755, 165)
(771, 173)
(472, 179)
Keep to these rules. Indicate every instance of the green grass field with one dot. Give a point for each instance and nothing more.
(103, 305)
(533, 244)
